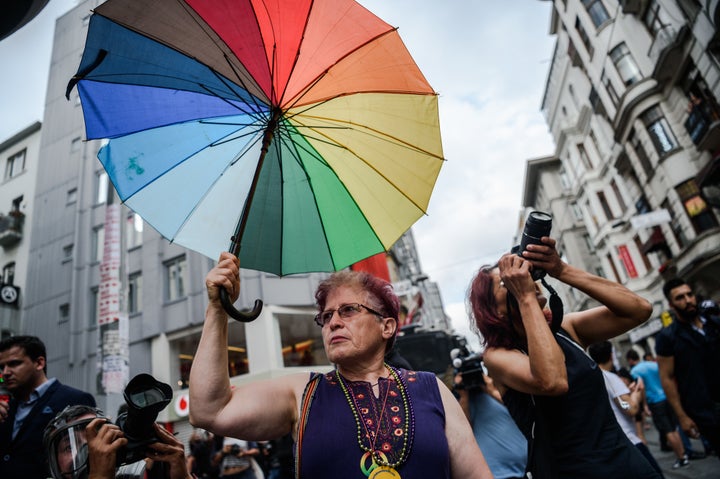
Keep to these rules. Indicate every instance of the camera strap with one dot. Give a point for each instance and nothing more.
(556, 307)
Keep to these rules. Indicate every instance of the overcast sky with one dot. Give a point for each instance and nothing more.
(487, 59)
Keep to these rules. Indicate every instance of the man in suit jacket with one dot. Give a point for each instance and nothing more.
(35, 402)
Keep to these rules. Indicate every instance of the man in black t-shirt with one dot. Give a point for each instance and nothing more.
(688, 354)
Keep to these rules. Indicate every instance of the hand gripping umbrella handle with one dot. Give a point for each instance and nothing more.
(242, 316)
(246, 317)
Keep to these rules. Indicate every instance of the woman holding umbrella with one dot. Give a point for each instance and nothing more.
(364, 419)
(552, 389)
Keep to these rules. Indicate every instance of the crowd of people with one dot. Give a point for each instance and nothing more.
(549, 399)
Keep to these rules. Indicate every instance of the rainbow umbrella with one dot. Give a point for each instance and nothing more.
(299, 131)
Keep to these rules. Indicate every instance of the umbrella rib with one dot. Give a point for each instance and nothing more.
(202, 25)
(311, 84)
(255, 114)
(273, 63)
(379, 173)
(284, 133)
(297, 57)
(376, 133)
(207, 191)
(250, 113)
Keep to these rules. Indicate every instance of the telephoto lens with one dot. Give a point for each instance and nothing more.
(537, 225)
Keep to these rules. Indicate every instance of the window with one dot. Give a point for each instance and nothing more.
(593, 216)
(577, 212)
(101, 180)
(135, 293)
(564, 179)
(625, 64)
(599, 271)
(605, 206)
(675, 225)
(618, 195)
(71, 196)
(613, 267)
(595, 142)
(642, 205)
(8, 273)
(639, 246)
(175, 271)
(659, 130)
(597, 11)
(597, 105)
(584, 36)
(133, 230)
(64, 313)
(656, 19)
(98, 243)
(67, 252)
(696, 207)
(15, 164)
(609, 88)
(584, 156)
(93, 317)
(588, 243)
(642, 155)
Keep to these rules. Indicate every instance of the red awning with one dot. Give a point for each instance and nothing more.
(655, 242)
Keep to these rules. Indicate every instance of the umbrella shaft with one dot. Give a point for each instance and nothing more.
(267, 139)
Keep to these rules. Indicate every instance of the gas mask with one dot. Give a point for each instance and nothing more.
(66, 442)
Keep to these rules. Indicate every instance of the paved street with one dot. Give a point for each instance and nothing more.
(708, 468)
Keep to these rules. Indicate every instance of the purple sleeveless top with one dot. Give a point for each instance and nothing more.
(330, 446)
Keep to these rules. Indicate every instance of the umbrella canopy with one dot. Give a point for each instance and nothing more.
(299, 131)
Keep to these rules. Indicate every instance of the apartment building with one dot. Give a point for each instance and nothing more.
(19, 161)
(632, 103)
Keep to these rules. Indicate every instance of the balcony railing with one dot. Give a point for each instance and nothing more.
(667, 51)
(11, 227)
(636, 7)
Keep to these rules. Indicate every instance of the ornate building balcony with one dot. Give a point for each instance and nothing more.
(11, 227)
(668, 51)
(636, 7)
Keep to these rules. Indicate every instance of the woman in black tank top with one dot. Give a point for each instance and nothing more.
(554, 391)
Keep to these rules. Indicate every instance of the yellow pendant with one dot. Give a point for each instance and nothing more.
(384, 472)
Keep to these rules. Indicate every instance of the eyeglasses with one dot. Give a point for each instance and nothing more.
(345, 311)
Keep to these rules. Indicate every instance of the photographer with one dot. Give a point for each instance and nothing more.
(499, 439)
(82, 443)
(236, 459)
(553, 390)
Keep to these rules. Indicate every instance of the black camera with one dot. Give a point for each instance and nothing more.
(469, 365)
(145, 398)
(235, 449)
(537, 225)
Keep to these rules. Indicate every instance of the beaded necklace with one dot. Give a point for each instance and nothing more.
(401, 426)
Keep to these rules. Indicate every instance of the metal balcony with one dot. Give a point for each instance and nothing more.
(11, 227)
(636, 7)
(667, 51)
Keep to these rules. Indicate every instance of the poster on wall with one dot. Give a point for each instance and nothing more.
(113, 347)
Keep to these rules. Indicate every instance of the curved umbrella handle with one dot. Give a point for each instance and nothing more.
(242, 316)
